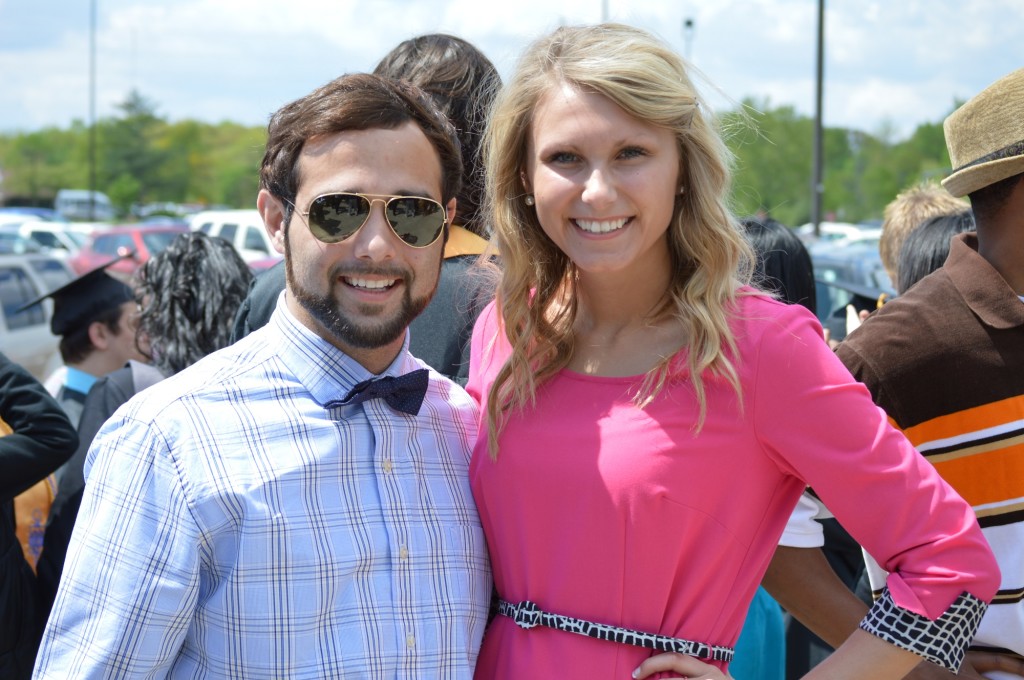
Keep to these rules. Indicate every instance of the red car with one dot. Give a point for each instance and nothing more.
(142, 241)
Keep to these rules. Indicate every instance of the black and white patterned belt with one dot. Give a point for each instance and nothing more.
(527, 614)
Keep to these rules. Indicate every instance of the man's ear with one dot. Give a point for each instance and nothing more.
(451, 212)
(271, 209)
(99, 335)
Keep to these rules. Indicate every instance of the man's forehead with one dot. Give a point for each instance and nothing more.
(353, 160)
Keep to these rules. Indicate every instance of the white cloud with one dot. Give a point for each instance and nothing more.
(901, 62)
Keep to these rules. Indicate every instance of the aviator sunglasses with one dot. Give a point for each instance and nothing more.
(332, 218)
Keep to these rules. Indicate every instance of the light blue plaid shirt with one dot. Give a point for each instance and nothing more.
(232, 527)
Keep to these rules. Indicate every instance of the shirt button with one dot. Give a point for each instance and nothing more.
(410, 641)
(388, 465)
(403, 553)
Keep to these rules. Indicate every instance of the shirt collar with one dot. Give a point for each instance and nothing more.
(323, 369)
(984, 290)
(77, 380)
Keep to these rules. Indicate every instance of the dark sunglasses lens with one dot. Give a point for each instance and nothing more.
(417, 221)
(335, 217)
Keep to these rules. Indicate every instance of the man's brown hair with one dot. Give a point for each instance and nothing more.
(355, 102)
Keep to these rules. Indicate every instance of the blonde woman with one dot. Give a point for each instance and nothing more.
(650, 419)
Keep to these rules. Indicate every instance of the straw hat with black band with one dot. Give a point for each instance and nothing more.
(985, 136)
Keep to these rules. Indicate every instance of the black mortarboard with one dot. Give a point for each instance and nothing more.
(77, 303)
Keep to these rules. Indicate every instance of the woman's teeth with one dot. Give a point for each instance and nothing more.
(601, 226)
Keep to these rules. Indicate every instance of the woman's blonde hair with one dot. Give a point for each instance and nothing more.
(536, 294)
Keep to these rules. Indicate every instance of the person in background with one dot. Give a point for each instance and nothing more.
(94, 315)
(187, 296)
(813, 540)
(463, 82)
(35, 438)
(927, 247)
(945, 359)
(782, 266)
(297, 505)
(650, 419)
(904, 213)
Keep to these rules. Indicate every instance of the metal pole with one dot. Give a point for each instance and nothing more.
(818, 183)
(604, 11)
(688, 38)
(92, 112)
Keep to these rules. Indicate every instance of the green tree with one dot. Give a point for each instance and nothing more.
(37, 164)
(141, 157)
(773, 161)
(128, 148)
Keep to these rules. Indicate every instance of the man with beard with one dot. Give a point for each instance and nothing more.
(297, 505)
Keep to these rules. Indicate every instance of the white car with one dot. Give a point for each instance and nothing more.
(58, 238)
(25, 335)
(242, 228)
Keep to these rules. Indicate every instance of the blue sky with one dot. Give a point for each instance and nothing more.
(889, 65)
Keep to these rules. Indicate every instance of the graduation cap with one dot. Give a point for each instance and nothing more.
(78, 303)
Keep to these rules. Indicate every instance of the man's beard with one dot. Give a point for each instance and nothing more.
(326, 309)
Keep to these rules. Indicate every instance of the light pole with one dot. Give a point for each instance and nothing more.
(92, 111)
(688, 38)
(818, 183)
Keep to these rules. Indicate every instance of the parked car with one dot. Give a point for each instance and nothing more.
(850, 275)
(242, 228)
(25, 335)
(82, 204)
(56, 237)
(17, 213)
(12, 241)
(837, 235)
(138, 240)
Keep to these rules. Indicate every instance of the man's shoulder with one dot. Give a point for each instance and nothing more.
(917, 316)
(443, 390)
(222, 376)
(918, 346)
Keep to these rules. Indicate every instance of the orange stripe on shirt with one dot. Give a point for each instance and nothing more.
(967, 421)
(992, 474)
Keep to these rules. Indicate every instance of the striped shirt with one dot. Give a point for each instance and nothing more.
(234, 527)
(946, 362)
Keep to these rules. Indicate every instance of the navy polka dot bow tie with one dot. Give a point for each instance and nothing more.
(404, 393)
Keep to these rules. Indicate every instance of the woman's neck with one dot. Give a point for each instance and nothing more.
(618, 331)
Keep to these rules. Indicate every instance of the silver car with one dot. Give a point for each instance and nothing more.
(25, 335)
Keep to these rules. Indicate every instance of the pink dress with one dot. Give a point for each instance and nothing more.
(602, 511)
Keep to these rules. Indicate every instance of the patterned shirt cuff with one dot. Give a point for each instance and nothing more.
(943, 641)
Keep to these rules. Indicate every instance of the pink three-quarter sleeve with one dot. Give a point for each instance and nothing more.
(821, 425)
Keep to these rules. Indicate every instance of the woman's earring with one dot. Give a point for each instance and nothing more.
(529, 199)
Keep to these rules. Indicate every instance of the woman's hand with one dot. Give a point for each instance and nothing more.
(687, 666)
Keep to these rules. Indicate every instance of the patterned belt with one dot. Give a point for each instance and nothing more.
(527, 615)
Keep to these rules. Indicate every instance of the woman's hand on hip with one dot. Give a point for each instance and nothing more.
(687, 667)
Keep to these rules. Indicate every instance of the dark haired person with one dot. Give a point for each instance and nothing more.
(462, 82)
(187, 295)
(926, 248)
(94, 317)
(945, 359)
(297, 505)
